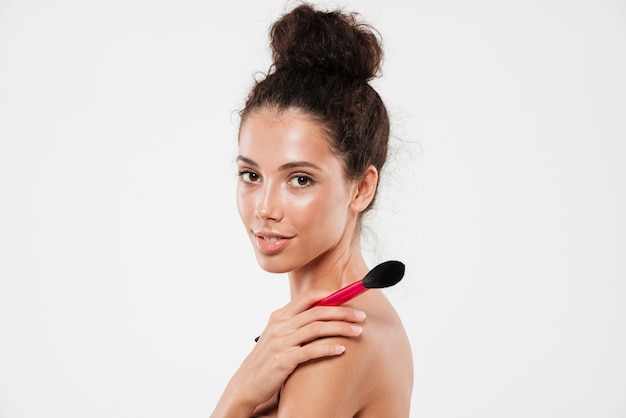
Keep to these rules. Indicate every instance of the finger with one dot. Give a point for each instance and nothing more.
(279, 327)
(315, 351)
(327, 313)
(322, 329)
(298, 313)
(298, 355)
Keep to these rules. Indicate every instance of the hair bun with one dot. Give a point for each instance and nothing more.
(332, 42)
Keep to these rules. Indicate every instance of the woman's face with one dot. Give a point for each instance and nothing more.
(292, 194)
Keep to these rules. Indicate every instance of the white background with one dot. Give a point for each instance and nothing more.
(128, 287)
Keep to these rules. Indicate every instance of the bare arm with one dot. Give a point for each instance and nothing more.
(334, 387)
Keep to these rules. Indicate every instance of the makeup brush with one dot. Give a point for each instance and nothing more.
(385, 274)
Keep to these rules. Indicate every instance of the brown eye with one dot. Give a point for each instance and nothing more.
(301, 181)
(249, 176)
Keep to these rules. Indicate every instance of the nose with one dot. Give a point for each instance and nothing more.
(268, 206)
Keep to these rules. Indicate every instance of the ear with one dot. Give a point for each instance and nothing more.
(365, 190)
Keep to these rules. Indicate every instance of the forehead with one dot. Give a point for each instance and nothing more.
(290, 135)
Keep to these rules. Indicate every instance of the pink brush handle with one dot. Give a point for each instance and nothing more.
(342, 295)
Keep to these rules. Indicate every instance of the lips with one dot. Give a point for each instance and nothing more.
(270, 243)
(271, 239)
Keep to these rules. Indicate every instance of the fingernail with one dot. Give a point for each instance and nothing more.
(359, 314)
(340, 348)
(357, 329)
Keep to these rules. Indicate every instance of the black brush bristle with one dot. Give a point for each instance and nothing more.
(385, 274)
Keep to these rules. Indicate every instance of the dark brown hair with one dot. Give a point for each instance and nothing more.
(322, 64)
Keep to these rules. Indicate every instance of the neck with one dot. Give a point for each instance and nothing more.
(331, 271)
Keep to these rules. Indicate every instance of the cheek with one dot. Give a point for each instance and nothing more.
(318, 210)
(304, 208)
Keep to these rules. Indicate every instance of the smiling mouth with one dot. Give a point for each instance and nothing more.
(270, 239)
(271, 244)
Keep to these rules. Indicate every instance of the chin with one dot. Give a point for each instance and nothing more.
(275, 266)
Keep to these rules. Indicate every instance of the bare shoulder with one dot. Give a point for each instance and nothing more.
(372, 378)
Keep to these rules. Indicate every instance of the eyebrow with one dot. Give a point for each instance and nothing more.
(286, 166)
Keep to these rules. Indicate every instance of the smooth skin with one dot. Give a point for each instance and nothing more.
(302, 214)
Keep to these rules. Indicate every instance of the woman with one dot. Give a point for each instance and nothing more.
(312, 143)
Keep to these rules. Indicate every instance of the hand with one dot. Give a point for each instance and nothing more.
(294, 334)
